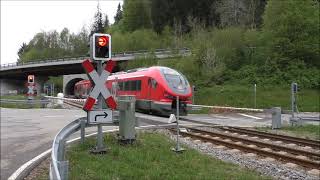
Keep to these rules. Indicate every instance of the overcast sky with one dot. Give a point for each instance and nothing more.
(21, 20)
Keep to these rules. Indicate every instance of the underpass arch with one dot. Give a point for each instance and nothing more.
(69, 81)
(69, 89)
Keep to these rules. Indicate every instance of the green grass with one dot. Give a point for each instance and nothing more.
(267, 97)
(305, 131)
(149, 158)
(18, 105)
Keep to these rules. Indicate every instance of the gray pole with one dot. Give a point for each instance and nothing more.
(193, 95)
(255, 95)
(100, 146)
(52, 89)
(292, 99)
(178, 148)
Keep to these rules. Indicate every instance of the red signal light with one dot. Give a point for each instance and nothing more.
(100, 47)
(30, 78)
(102, 41)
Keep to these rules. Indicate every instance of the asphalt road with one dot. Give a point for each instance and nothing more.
(25, 133)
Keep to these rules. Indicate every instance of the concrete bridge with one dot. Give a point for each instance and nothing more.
(13, 76)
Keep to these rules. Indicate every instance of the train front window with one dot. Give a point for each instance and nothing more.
(175, 79)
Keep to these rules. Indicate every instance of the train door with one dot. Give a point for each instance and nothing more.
(152, 86)
(152, 91)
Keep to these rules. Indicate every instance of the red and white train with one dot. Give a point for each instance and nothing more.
(155, 89)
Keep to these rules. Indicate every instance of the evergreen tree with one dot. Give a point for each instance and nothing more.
(106, 23)
(159, 14)
(118, 15)
(136, 14)
(21, 51)
(97, 26)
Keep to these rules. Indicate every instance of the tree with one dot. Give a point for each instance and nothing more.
(22, 50)
(106, 22)
(97, 26)
(159, 14)
(136, 14)
(246, 13)
(291, 31)
(118, 15)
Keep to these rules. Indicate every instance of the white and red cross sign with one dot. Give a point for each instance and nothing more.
(99, 82)
(31, 87)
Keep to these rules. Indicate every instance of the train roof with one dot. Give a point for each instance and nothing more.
(151, 72)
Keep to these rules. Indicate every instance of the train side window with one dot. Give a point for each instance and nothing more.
(120, 86)
(138, 85)
(154, 83)
(126, 86)
(132, 85)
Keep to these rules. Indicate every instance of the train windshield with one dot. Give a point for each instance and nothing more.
(176, 81)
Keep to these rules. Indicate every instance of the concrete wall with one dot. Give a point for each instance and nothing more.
(70, 80)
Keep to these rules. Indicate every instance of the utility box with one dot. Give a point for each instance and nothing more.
(276, 118)
(127, 119)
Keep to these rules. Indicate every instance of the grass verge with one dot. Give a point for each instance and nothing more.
(149, 158)
(19, 105)
(309, 131)
(267, 97)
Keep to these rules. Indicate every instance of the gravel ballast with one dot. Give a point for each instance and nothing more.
(262, 165)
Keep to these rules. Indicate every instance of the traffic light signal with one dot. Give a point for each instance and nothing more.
(30, 78)
(101, 44)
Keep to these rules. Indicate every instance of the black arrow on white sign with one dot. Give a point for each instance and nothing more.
(105, 116)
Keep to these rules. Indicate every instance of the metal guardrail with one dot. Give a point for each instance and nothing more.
(198, 107)
(15, 101)
(120, 54)
(65, 99)
(59, 166)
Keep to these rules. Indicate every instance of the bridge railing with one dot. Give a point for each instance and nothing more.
(118, 54)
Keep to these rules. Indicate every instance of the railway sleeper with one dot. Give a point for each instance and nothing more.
(261, 144)
(286, 157)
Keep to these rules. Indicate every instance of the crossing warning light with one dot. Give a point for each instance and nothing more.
(101, 44)
(30, 78)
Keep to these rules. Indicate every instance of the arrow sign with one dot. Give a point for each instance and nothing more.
(104, 116)
(100, 116)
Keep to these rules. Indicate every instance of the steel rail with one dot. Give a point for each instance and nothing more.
(300, 141)
(259, 143)
(73, 104)
(289, 158)
(230, 108)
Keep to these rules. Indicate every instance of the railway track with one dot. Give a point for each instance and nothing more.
(308, 159)
(74, 104)
(288, 139)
